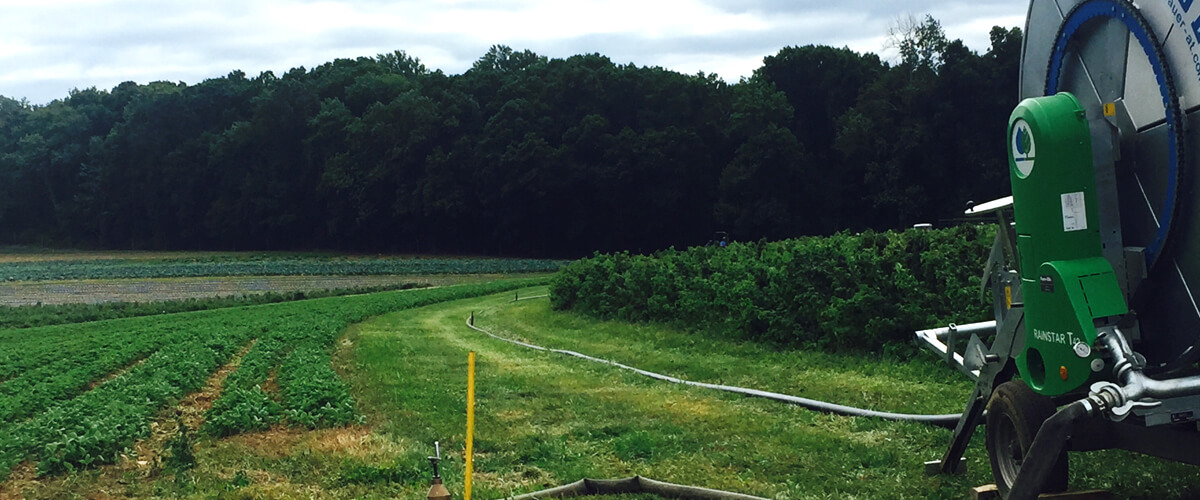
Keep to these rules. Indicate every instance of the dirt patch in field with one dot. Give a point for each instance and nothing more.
(168, 289)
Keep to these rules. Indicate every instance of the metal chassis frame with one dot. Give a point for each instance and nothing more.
(998, 367)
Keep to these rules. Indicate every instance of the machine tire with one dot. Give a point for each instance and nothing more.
(1015, 413)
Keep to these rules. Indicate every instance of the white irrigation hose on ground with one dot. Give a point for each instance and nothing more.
(635, 484)
(946, 420)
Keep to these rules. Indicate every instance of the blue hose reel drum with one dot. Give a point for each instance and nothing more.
(1135, 69)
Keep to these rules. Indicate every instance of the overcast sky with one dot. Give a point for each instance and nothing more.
(48, 47)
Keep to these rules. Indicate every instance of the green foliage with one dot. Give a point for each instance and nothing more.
(97, 426)
(845, 292)
(180, 457)
(58, 422)
(315, 397)
(531, 155)
(240, 410)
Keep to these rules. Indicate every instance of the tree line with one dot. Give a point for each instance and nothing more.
(519, 155)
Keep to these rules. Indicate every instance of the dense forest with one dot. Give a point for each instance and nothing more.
(521, 154)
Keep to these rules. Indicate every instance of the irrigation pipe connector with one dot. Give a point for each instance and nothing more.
(946, 420)
(635, 484)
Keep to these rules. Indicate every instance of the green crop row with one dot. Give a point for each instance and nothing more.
(39, 371)
(71, 428)
(97, 426)
(864, 292)
(298, 349)
(120, 268)
(313, 394)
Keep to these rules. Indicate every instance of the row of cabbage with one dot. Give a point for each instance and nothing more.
(142, 269)
(71, 427)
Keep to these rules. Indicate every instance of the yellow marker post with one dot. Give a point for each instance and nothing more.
(1110, 109)
(470, 422)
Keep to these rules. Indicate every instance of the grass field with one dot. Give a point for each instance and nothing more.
(545, 420)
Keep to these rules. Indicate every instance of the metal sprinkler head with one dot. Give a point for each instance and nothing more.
(437, 490)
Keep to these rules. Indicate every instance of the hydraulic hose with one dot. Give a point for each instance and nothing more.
(1135, 384)
(945, 420)
(1045, 449)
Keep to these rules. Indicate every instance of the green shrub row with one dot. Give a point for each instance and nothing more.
(853, 292)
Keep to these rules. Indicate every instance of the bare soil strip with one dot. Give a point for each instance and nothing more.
(167, 289)
(146, 458)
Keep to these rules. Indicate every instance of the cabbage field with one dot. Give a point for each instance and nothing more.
(274, 266)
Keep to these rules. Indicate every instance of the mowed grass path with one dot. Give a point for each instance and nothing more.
(544, 419)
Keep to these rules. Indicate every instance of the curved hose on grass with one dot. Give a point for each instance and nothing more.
(946, 420)
(635, 484)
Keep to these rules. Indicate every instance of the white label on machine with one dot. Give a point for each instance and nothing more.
(1074, 213)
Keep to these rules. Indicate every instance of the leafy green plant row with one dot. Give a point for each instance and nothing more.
(96, 426)
(35, 376)
(298, 349)
(313, 394)
(119, 268)
(853, 292)
(45, 315)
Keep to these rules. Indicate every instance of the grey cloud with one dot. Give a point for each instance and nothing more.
(874, 8)
(150, 40)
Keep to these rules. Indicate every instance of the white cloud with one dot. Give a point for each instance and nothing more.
(52, 46)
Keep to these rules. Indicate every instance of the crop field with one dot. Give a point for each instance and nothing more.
(75, 396)
(30, 276)
(12, 253)
(58, 270)
(173, 289)
(314, 399)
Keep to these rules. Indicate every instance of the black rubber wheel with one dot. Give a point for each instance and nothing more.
(1015, 413)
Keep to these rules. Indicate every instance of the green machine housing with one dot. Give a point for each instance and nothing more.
(1068, 286)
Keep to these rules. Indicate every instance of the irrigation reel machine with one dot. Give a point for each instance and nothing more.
(1095, 273)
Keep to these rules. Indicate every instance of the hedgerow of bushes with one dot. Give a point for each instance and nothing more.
(846, 292)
